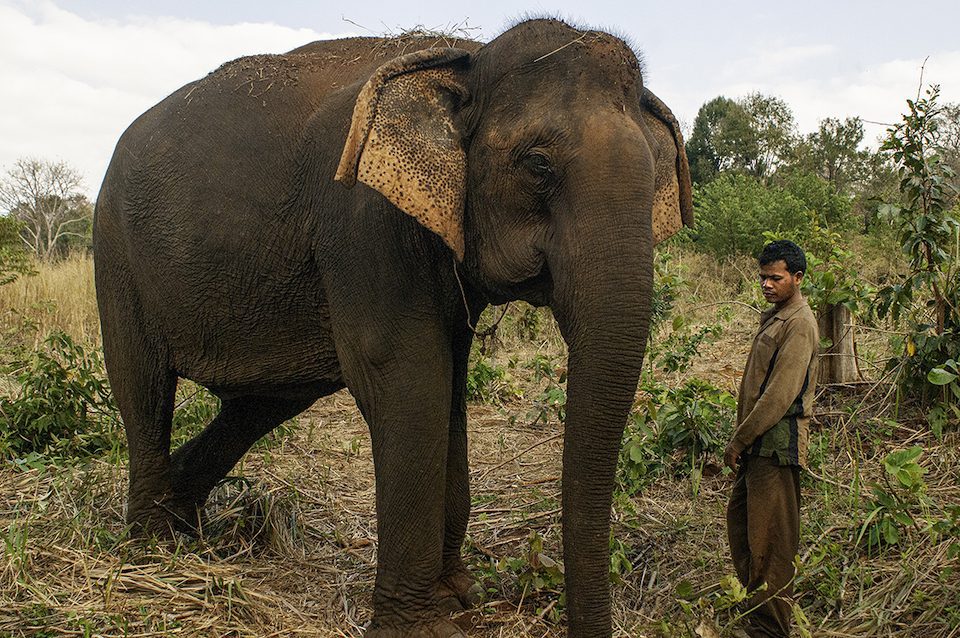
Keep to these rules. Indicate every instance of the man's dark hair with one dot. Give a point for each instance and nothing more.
(787, 251)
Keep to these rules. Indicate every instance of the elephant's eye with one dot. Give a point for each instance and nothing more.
(538, 164)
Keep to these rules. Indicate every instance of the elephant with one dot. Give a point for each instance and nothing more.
(234, 247)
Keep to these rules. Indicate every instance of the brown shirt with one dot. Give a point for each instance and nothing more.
(776, 393)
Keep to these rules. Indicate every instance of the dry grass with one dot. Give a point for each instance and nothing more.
(60, 296)
(290, 548)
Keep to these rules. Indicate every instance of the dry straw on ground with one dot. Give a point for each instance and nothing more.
(289, 549)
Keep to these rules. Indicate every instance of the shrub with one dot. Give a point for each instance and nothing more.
(675, 429)
(63, 405)
(733, 211)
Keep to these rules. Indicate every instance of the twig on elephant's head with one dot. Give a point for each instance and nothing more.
(558, 49)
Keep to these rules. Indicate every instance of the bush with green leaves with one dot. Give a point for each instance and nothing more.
(896, 502)
(820, 197)
(490, 382)
(675, 430)
(927, 299)
(733, 211)
(62, 406)
(14, 259)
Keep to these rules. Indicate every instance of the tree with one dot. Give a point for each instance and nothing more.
(773, 129)
(928, 297)
(946, 137)
(833, 153)
(829, 207)
(45, 197)
(733, 211)
(750, 136)
(14, 260)
(721, 139)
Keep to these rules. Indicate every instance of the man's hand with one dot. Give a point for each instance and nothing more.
(731, 454)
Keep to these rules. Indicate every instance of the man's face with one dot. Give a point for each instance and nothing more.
(778, 284)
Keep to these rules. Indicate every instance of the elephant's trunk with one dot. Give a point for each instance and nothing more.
(602, 304)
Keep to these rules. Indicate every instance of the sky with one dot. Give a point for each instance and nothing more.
(75, 73)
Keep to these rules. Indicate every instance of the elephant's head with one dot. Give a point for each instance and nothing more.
(550, 171)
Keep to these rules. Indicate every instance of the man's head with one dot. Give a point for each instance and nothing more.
(782, 266)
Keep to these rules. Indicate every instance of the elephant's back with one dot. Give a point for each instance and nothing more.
(229, 145)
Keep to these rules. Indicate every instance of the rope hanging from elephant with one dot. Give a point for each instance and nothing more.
(490, 331)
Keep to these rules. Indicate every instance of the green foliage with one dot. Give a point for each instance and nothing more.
(833, 154)
(490, 382)
(748, 136)
(733, 211)
(674, 429)
(927, 298)
(537, 575)
(677, 352)
(195, 408)
(826, 205)
(551, 401)
(723, 605)
(14, 260)
(63, 407)
(948, 528)
(721, 135)
(894, 503)
(667, 287)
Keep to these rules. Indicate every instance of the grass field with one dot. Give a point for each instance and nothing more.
(290, 546)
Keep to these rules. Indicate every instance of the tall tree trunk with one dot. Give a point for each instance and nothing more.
(838, 360)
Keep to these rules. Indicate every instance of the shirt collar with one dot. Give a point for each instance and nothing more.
(789, 309)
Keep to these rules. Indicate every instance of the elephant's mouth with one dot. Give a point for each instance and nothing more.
(536, 291)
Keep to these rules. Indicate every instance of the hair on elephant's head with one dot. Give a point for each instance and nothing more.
(550, 171)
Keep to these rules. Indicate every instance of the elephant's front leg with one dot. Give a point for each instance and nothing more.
(405, 398)
(458, 590)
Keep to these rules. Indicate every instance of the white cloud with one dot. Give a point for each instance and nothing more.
(70, 85)
(816, 84)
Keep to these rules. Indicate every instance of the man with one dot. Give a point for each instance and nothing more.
(770, 442)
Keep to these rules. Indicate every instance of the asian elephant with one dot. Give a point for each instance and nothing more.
(233, 247)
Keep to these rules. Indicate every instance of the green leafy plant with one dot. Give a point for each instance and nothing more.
(195, 408)
(732, 212)
(63, 406)
(490, 382)
(894, 504)
(677, 429)
(946, 376)
(677, 351)
(927, 298)
(949, 528)
(538, 575)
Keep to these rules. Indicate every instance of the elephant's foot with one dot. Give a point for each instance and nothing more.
(163, 516)
(439, 628)
(458, 591)
(186, 515)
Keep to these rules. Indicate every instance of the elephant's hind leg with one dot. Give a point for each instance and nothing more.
(200, 463)
(144, 387)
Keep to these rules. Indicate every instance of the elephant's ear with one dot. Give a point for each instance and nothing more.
(672, 202)
(404, 142)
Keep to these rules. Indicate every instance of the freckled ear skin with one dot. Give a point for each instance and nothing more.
(403, 141)
(672, 201)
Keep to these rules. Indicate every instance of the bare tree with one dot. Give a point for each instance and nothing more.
(45, 197)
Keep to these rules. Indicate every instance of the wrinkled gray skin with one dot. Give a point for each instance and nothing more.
(226, 253)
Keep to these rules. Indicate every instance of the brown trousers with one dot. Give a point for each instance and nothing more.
(763, 527)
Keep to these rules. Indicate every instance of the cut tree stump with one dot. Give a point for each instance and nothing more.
(838, 360)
